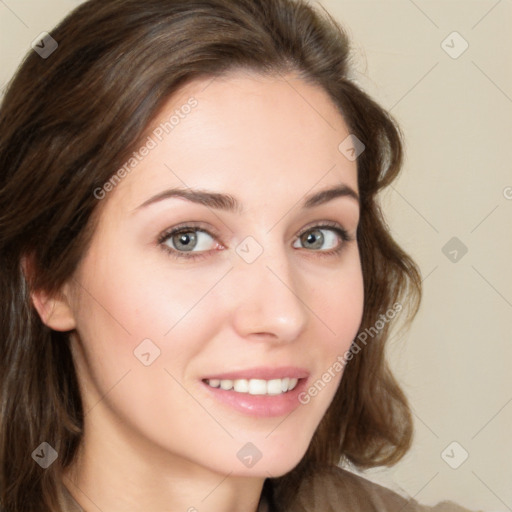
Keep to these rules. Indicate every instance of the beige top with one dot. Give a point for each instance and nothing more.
(337, 490)
(334, 489)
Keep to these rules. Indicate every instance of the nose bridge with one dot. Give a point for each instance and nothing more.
(267, 291)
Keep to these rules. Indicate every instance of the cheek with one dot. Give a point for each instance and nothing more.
(138, 337)
(339, 302)
(138, 296)
(129, 308)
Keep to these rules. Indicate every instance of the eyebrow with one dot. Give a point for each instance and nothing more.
(229, 203)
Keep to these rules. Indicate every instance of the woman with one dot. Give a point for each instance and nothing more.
(197, 282)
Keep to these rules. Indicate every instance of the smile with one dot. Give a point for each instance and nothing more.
(255, 386)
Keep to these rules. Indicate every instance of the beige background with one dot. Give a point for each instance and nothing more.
(456, 113)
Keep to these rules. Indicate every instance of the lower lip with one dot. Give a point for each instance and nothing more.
(261, 406)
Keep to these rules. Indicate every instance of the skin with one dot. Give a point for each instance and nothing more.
(154, 438)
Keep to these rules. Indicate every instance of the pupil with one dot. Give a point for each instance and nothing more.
(185, 241)
(315, 238)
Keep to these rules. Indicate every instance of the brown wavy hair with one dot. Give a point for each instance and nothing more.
(68, 122)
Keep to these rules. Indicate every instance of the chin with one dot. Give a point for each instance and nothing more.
(275, 461)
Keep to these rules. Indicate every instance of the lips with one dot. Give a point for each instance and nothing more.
(247, 392)
(265, 399)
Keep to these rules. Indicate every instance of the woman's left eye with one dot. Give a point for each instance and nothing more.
(192, 242)
(324, 239)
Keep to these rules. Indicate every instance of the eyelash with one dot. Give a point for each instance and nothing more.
(189, 255)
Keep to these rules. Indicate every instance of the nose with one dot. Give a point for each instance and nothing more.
(269, 299)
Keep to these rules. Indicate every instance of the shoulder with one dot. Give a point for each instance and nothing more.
(333, 489)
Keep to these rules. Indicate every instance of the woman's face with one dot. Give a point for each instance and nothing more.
(254, 291)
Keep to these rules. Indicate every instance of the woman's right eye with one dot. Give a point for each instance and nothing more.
(185, 242)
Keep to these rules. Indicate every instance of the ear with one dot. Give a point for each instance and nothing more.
(54, 310)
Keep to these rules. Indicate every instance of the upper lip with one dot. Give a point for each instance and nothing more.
(262, 372)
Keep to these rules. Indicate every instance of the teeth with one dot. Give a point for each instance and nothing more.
(255, 386)
(240, 386)
(273, 387)
(226, 384)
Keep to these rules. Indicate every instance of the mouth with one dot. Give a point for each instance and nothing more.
(260, 392)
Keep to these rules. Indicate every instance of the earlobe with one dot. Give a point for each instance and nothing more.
(54, 310)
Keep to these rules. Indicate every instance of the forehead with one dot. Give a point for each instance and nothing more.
(250, 135)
